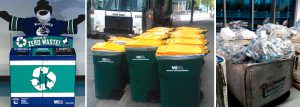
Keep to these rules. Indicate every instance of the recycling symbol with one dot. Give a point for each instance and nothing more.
(21, 42)
(38, 75)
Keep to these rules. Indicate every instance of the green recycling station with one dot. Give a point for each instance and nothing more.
(42, 71)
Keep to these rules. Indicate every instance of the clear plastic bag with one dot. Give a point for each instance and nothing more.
(272, 43)
(270, 30)
(268, 50)
(240, 32)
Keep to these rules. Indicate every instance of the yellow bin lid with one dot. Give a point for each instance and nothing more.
(160, 29)
(155, 36)
(180, 49)
(198, 30)
(187, 41)
(107, 46)
(144, 43)
(119, 40)
(187, 35)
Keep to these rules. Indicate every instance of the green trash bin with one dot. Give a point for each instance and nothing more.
(143, 74)
(109, 73)
(142, 65)
(179, 80)
(122, 41)
(179, 69)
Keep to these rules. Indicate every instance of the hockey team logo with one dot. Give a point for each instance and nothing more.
(177, 69)
(21, 42)
(42, 31)
(140, 57)
(66, 41)
(40, 74)
(15, 101)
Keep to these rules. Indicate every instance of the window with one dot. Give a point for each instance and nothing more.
(119, 5)
(262, 9)
(238, 10)
(219, 14)
(285, 11)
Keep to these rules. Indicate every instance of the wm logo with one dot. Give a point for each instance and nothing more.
(58, 102)
(105, 59)
(140, 57)
(177, 67)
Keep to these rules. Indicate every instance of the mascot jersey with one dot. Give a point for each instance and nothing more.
(33, 27)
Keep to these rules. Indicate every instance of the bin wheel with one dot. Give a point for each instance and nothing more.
(117, 94)
(201, 95)
(203, 62)
(154, 96)
(278, 100)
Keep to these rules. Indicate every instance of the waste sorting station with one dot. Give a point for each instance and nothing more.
(42, 71)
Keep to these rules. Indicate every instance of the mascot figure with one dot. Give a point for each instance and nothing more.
(42, 24)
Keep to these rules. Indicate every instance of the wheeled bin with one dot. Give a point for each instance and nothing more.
(142, 64)
(179, 69)
(108, 59)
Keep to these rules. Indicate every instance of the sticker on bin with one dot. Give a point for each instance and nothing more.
(141, 58)
(269, 89)
(105, 60)
(180, 49)
(177, 69)
(187, 41)
(144, 43)
(48, 41)
(107, 46)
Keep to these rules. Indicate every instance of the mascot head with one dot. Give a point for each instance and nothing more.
(43, 11)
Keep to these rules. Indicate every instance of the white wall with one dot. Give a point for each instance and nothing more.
(62, 9)
(297, 14)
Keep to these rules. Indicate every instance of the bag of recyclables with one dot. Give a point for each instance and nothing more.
(273, 43)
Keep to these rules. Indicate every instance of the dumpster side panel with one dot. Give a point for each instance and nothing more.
(236, 81)
(222, 95)
(258, 84)
(268, 81)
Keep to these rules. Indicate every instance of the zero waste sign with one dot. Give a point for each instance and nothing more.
(47, 41)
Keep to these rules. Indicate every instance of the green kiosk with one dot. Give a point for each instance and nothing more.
(42, 72)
